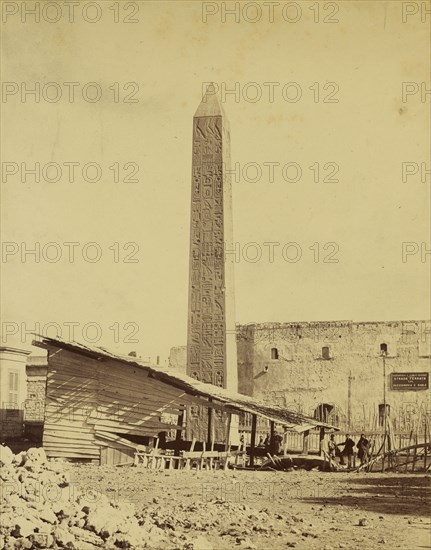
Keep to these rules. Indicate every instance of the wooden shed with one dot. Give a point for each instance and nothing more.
(98, 403)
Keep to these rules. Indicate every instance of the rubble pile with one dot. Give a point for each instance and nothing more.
(40, 510)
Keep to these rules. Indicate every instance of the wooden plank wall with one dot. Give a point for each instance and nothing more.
(71, 394)
(130, 402)
(116, 456)
(89, 399)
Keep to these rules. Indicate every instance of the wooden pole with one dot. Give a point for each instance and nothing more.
(210, 435)
(253, 439)
(271, 436)
(178, 435)
(227, 442)
(349, 402)
(305, 442)
(415, 452)
(321, 440)
(384, 410)
(408, 451)
(416, 439)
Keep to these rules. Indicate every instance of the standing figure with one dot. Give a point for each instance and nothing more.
(266, 443)
(363, 446)
(349, 445)
(332, 447)
(276, 443)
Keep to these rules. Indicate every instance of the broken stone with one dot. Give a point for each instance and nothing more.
(6, 456)
(64, 538)
(23, 527)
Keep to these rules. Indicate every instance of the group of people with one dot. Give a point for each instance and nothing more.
(363, 446)
(274, 445)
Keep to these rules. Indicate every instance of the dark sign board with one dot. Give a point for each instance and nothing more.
(409, 380)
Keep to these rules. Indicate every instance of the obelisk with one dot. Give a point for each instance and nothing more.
(211, 338)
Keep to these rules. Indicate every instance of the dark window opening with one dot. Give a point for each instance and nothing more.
(382, 413)
(323, 411)
(325, 353)
(274, 353)
(384, 348)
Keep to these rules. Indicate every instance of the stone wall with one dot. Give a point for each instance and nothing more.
(34, 410)
(286, 364)
(178, 358)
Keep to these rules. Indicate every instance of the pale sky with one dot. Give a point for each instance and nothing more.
(169, 53)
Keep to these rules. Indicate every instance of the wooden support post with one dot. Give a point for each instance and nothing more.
(210, 426)
(321, 440)
(285, 441)
(271, 435)
(253, 438)
(305, 442)
(408, 451)
(178, 435)
(227, 442)
(415, 452)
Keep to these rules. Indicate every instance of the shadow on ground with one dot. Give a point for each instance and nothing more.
(407, 495)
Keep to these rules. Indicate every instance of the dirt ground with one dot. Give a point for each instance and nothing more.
(270, 510)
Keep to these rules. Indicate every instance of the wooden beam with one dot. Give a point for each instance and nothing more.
(271, 435)
(305, 442)
(180, 423)
(210, 436)
(229, 422)
(253, 438)
(321, 440)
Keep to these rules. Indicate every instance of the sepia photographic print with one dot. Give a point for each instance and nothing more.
(215, 275)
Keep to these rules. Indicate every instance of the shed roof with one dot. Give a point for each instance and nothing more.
(230, 401)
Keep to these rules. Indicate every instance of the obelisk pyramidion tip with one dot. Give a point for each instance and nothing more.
(210, 104)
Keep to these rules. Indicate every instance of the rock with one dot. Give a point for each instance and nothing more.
(23, 543)
(42, 540)
(363, 522)
(6, 456)
(23, 527)
(64, 538)
(37, 455)
(48, 515)
(309, 534)
(19, 459)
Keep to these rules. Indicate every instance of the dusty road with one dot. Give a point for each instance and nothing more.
(271, 510)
